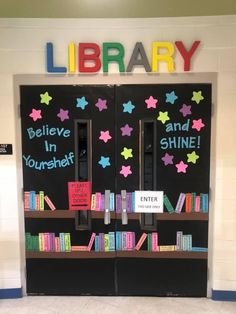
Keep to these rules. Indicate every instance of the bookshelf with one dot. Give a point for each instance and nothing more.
(119, 254)
(68, 214)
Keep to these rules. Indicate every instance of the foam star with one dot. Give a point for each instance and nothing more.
(45, 98)
(105, 136)
(192, 157)
(185, 110)
(35, 114)
(171, 97)
(104, 161)
(125, 171)
(101, 104)
(168, 159)
(197, 124)
(163, 117)
(63, 114)
(197, 97)
(128, 107)
(127, 153)
(181, 167)
(151, 102)
(81, 102)
(126, 130)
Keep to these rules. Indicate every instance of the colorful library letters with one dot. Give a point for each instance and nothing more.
(92, 58)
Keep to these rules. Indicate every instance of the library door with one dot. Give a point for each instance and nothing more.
(122, 139)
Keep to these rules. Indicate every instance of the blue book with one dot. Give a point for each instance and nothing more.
(199, 249)
(96, 243)
(112, 202)
(32, 200)
(118, 241)
(62, 242)
(133, 202)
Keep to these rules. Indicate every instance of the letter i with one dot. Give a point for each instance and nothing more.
(71, 59)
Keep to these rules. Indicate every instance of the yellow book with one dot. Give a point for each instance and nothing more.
(166, 248)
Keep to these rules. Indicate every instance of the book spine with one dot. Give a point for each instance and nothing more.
(168, 205)
(106, 242)
(118, 241)
(179, 241)
(67, 242)
(37, 202)
(141, 241)
(46, 241)
(189, 242)
(133, 202)
(154, 241)
(57, 244)
(102, 207)
(129, 202)
(27, 200)
(32, 200)
(129, 239)
(97, 244)
(193, 203)
(167, 248)
(41, 248)
(41, 200)
(91, 241)
(75, 248)
(185, 242)
(118, 203)
(180, 203)
(98, 201)
(197, 204)
(93, 202)
(188, 203)
(112, 203)
(49, 202)
(123, 241)
(199, 249)
(101, 242)
(112, 241)
(149, 241)
(62, 242)
(27, 241)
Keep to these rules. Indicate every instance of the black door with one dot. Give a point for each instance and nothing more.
(121, 138)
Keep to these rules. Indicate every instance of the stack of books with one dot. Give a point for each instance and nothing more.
(36, 201)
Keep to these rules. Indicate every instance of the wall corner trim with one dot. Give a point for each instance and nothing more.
(223, 295)
(13, 293)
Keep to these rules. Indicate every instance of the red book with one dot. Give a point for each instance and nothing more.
(57, 244)
(188, 202)
(49, 202)
(79, 248)
(37, 202)
(141, 241)
(27, 200)
(79, 194)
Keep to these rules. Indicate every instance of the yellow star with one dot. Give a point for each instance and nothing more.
(45, 98)
(163, 117)
(127, 153)
(197, 97)
(192, 157)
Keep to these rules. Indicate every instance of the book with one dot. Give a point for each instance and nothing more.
(41, 242)
(102, 203)
(41, 200)
(97, 201)
(149, 242)
(75, 248)
(97, 244)
(129, 240)
(199, 249)
(62, 241)
(188, 202)
(106, 242)
(112, 202)
(27, 200)
(46, 241)
(180, 203)
(57, 244)
(32, 200)
(167, 248)
(118, 241)
(93, 202)
(197, 204)
(129, 202)
(67, 242)
(141, 241)
(193, 201)
(154, 241)
(168, 205)
(123, 241)
(101, 242)
(112, 241)
(36, 201)
(179, 240)
(49, 202)
(118, 203)
(91, 241)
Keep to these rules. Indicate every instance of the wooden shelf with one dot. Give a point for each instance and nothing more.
(119, 254)
(100, 215)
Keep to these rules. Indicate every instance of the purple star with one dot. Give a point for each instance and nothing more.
(186, 110)
(126, 130)
(168, 159)
(63, 115)
(101, 104)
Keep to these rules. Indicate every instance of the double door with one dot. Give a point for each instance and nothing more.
(122, 139)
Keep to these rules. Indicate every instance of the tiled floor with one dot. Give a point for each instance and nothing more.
(114, 305)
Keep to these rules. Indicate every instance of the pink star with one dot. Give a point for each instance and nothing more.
(101, 104)
(197, 124)
(181, 167)
(35, 114)
(126, 130)
(125, 171)
(151, 102)
(105, 136)
(168, 159)
(63, 114)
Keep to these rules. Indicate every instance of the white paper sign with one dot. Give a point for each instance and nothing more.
(149, 201)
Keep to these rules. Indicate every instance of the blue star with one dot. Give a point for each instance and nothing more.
(104, 161)
(128, 107)
(81, 103)
(171, 97)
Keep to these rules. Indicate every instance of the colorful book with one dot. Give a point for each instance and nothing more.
(98, 201)
(168, 205)
(149, 242)
(91, 241)
(154, 241)
(129, 202)
(179, 240)
(106, 242)
(97, 243)
(67, 242)
(49, 202)
(197, 204)
(124, 241)
(75, 248)
(101, 242)
(112, 241)
(46, 241)
(193, 202)
(118, 203)
(180, 203)
(41, 242)
(188, 202)
(167, 248)
(37, 202)
(27, 200)
(62, 241)
(57, 244)
(102, 204)
(93, 202)
(41, 200)
(118, 241)
(199, 249)
(112, 202)
(141, 241)
(32, 200)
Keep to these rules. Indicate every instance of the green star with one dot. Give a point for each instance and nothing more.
(192, 157)
(197, 97)
(45, 98)
(127, 153)
(163, 117)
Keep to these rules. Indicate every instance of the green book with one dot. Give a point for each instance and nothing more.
(28, 241)
(67, 242)
(168, 205)
(41, 200)
(149, 242)
(106, 242)
(193, 202)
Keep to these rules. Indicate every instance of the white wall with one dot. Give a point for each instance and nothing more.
(22, 44)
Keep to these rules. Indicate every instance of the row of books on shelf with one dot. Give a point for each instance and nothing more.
(108, 242)
(187, 202)
(36, 201)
